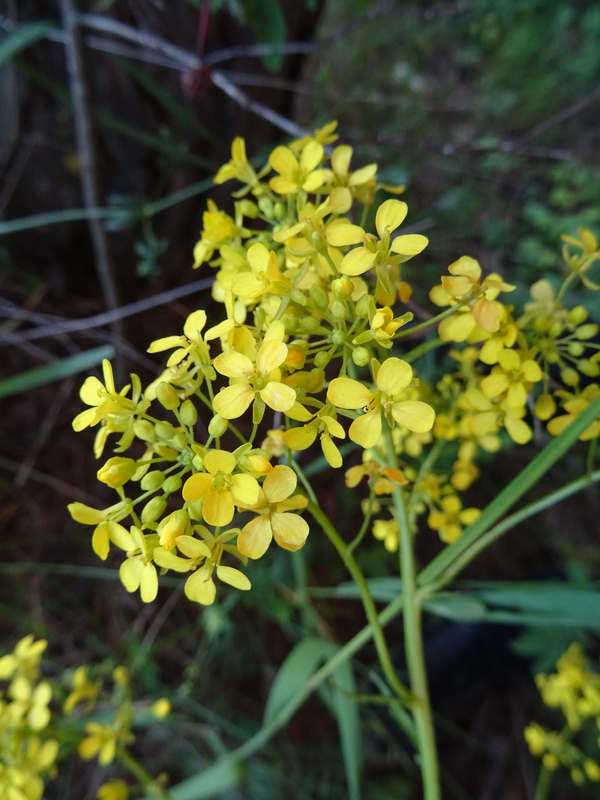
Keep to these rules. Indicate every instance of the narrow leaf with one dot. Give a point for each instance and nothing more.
(295, 671)
(21, 38)
(54, 372)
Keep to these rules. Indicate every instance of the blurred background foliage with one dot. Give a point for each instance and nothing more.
(488, 112)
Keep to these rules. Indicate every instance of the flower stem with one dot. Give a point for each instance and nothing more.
(379, 639)
(413, 643)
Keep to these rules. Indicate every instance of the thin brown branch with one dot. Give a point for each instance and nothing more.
(87, 152)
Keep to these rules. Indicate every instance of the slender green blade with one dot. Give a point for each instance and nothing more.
(55, 372)
(21, 38)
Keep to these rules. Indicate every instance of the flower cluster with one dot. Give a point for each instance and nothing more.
(29, 755)
(316, 344)
(575, 689)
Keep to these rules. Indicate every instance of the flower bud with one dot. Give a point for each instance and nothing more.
(167, 396)
(545, 407)
(153, 510)
(144, 430)
(338, 310)
(172, 484)
(188, 413)
(318, 296)
(342, 288)
(173, 525)
(217, 426)
(586, 331)
(361, 356)
(164, 430)
(321, 359)
(578, 315)
(117, 471)
(152, 480)
(575, 349)
(569, 377)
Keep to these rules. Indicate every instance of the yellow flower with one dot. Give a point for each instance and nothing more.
(386, 530)
(138, 571)
(239, 168)
(512, 379)
(294, 174)
(113, 790)
(251, 380)
(31, 701)
(373, 250)
(478, 298)
(25, 658)
(220, 489)
(324, 425)
(262, 278)
(590, 253)
(450, 519)
(383, 479)
(574, 405)
(101, 741)
(274, 520)
(218, 228)
(83, 691)
(393, 378)
(202, 557)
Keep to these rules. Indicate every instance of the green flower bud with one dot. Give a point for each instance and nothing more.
(180, 440)
(361, 356)
(217, 426)
(152, 480)
(578, 315)
(575, 349)
(338, 310)
(363, 306)
(144, 430)
(310, 325)
(188, 413)
(586, 331)
(164, 430)
(298, 297)
(589, 368)
(321, 359)
(167, 396)
(342, 288)
(172, 484)
(318, 296)
(569, 377)
(153, 510)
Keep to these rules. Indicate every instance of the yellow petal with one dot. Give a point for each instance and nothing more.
(414, 415)
(148, 583)
(130, 573)
(272, 354)
(279, 483)
(394, 376)
(255, 537)
(390, 215)
(197, 486)
(233, 577)
(218, 507)
(289, 530)
(92, 391)
(232, 401)
(487, 315)
(409, 244)
(467, 266)
(219, 461)
(244, 490)
(348, 393)
(331, 452)
(283, 161)
(357, 261)
(194, 325)
(200, 587)
(234, 365)
(342, 234)
(366, 430)
(278, 396)
(300, 438)
(311, 156)
(193, 548)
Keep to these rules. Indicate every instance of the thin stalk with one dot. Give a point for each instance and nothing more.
(192, 789)
(413, 643)
(379, 639)
(507, 524)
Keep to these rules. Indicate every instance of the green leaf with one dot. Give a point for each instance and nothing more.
(21, 38)
(223, 774)
(547, 603)
(340, 693)
(383, 590)
(55, 372)
(268, 21)
(295, 671)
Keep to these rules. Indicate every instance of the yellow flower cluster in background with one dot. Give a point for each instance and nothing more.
(574, 689)
(29, 754)
(316, 344)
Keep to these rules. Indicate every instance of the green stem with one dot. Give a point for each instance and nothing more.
(481, 544)
(149, 785)
(543, 783)
(225, 768)
(367, 600)
(413, 642)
